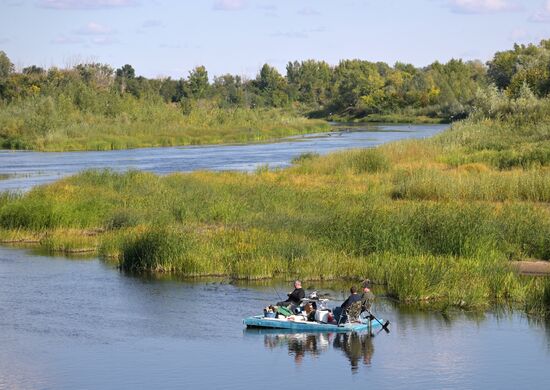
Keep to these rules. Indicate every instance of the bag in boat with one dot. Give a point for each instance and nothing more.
(284, 311)
(322, 316)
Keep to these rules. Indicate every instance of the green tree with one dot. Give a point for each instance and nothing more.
(33, 70)
(125, 79)
(354, 79)
(272, 87)
(98, 76)
(198, 82)
(229, 89)
(6, 68)
(309, 81)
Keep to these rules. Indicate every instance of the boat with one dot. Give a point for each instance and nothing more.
(260, 321)
(322, 319)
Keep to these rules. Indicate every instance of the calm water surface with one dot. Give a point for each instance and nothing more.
(80, 324)
(27, 169)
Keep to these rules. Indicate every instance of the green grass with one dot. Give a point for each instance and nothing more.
(53, 124)
(434, 230)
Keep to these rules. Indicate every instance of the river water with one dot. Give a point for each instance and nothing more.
(27, 169)
(82, 324)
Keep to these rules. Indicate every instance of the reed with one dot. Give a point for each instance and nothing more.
(45, 124)
(408, 215)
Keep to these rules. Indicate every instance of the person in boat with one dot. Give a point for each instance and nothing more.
(295, 297)
(339, 311)
(367, 297)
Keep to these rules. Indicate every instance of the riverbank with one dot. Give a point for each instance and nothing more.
(436, 221)
(388, 118)
(43, 125)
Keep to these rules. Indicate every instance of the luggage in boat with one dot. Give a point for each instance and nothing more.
(322, 316)
(284, 311)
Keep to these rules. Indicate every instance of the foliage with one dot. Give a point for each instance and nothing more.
(92, 101)
(529, 64)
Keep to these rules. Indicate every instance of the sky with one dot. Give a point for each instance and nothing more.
(161, 38)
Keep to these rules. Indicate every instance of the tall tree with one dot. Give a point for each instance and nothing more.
(272, 86)
(6, 68)
(198, 82)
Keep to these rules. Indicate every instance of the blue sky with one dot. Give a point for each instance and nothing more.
(168, 38)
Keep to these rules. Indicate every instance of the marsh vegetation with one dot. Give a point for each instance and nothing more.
(437, 221)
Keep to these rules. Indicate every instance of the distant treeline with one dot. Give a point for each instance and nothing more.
(351, 89)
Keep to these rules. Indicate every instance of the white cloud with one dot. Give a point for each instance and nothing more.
(290, 34)
(542, 15)
(66, 40)
(151, 23)
(308, 11)
(85, 4)
(229, 5)
(104, 40)
(481, 6)
(94, 28)
(268, 9)
(302, 34)
(519, 34)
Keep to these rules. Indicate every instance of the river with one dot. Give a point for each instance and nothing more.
(82, 324)
(23, 170)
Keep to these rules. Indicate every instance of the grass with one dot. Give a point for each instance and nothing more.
(51, 124)
(436, 221)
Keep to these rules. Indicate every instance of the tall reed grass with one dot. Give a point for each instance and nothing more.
(48, 124)
(405, 214)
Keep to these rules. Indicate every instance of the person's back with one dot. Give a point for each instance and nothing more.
(354, 297)
(367, 297)
(340, 312)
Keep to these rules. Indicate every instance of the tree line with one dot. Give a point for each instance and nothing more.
(351, 89)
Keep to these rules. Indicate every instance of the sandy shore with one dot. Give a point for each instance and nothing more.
(533, 267)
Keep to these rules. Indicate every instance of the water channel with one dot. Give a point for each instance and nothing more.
(23, 170)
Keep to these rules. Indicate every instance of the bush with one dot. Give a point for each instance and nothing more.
(155, 250)
(368, 160)
(304, 157)
(121, 219)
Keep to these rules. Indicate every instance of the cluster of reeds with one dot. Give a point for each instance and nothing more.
(406, 215)
(46, 124)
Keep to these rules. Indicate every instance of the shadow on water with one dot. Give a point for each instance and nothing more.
(357, 348)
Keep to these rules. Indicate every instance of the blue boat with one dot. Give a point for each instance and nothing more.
(311, 326)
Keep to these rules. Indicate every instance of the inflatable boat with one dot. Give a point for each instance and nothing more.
(300, 325)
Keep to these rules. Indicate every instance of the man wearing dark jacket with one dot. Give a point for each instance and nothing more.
(295, 297)
(340, 311)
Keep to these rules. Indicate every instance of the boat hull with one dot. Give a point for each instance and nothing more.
(307, 326)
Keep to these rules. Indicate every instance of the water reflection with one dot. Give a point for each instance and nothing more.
(358, 348)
